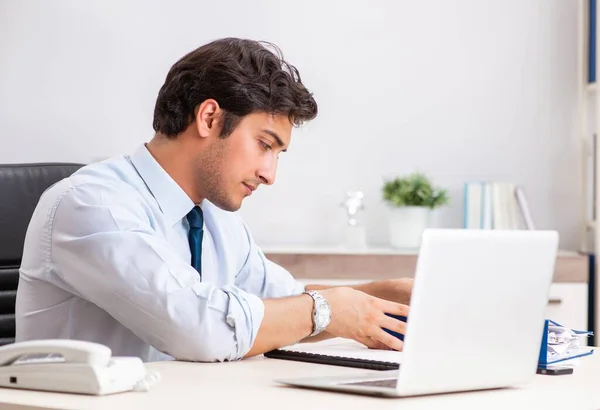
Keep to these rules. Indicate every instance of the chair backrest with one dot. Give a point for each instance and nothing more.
(21, 186)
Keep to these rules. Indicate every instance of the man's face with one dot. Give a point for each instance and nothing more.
(235, 166)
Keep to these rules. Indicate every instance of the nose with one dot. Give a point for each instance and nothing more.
(267, 172)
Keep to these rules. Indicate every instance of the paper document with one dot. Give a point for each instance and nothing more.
(564, 343)
(560, 343)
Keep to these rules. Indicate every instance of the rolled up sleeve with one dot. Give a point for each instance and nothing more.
(111, 255)
(245, 326)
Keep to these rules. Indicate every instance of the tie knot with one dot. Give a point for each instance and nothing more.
(195, 217)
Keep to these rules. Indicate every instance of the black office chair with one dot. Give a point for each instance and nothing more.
(21, 186)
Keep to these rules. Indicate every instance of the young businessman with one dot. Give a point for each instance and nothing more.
(143, 252)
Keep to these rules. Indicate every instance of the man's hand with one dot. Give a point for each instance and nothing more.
(359, 316)
(395, 290)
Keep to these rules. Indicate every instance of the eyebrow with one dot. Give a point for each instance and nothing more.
(278, 140)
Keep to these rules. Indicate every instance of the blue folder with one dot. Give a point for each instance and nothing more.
(543, 358)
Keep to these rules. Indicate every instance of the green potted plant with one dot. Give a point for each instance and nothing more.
(411, 199)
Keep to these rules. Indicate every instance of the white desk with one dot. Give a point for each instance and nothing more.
(239, 385)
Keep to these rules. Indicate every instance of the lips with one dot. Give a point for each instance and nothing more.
(249, 188)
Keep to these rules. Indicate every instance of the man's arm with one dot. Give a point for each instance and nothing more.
(285, 321)
(355, 315)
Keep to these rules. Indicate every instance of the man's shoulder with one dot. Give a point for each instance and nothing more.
(101, 175)
(114, 172)
(108, 183)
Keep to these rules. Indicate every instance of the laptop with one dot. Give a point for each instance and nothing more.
(476, 319)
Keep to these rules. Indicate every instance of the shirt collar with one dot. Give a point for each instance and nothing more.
(172, 200)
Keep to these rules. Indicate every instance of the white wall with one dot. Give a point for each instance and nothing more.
(463, 89)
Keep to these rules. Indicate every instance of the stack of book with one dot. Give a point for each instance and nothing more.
(496, 205)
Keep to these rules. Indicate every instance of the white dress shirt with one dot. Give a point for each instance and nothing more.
(107, 260)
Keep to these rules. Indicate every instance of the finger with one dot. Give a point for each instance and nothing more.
(373, 344)
(394, 308)
(387, 339)
(378, 345)
(370, 343)
(393, 324)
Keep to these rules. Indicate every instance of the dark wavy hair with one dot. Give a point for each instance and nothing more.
(243, 76)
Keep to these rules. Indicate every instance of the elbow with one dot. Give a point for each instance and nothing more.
(224, 332)
(202, 345)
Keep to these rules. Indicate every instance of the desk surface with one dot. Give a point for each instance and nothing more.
(238, 385)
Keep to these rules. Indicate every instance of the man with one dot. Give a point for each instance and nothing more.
(143, 253)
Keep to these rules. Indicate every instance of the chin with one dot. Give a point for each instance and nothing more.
(228, 206)
(235, 207)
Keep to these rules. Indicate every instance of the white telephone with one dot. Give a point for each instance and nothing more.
(71, 366)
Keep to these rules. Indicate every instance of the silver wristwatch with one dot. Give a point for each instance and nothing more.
(321, 312)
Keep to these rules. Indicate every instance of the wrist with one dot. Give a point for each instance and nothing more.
(321, 312)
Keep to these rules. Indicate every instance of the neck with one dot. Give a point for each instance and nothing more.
(176, 158)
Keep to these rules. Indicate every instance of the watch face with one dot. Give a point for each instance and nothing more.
(323, 315)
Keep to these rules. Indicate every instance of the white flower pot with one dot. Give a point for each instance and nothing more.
(407, 224)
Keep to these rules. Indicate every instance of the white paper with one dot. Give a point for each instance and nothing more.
(563, 343)
(346, 348)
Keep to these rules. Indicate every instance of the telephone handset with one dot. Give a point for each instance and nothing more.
(72, 351)
(71, 366)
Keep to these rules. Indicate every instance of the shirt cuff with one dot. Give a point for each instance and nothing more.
(244, 315)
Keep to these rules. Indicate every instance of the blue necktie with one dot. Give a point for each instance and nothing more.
(196, 221)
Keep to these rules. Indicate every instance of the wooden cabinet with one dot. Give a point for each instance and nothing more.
(568, 305)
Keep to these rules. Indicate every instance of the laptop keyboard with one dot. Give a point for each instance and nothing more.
(375, 383)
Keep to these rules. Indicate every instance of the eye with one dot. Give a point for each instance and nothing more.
(265, 146)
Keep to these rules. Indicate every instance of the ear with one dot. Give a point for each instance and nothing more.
(207, 116)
